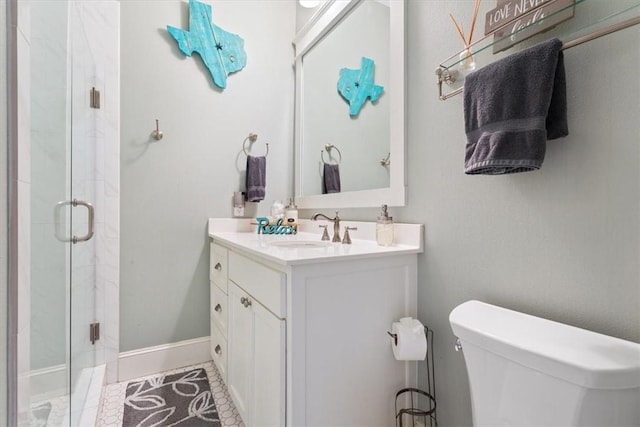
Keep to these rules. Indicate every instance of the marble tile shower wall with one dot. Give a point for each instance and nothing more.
(86, 185)
(101, 25)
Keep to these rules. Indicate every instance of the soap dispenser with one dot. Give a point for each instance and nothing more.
(384, 228)
(291, 213)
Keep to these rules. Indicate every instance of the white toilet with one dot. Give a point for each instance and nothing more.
(528, 371)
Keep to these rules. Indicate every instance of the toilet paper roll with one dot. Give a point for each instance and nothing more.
(411, 342)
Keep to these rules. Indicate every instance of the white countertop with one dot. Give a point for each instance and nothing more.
(241, 234)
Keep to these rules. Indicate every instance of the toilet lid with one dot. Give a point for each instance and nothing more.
(580, 356)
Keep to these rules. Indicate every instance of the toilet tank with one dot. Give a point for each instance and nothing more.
(528, 371)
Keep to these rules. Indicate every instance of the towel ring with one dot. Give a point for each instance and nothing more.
(252, 138)
(329, 147)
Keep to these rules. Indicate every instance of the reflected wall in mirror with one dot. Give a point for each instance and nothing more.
(343, 33)
(362, 139)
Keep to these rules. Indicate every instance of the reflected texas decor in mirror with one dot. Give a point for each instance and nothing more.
(356, 86)
(365, 38)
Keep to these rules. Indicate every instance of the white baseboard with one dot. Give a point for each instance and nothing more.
(48, 383)
(151, 360)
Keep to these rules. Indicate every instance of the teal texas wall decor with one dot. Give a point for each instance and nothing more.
(356, 86)
(222, 52)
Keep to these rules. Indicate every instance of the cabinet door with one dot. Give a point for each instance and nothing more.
(256, 360)
(268, 368)
(240, 352)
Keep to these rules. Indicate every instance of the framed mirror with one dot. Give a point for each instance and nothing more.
(365, 150)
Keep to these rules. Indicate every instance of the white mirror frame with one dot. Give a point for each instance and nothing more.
(327, 17)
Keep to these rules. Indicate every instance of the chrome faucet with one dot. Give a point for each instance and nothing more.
(336, 225)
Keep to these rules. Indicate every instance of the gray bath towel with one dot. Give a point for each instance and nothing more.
(512, 107)
(256, 178)
(331, 179)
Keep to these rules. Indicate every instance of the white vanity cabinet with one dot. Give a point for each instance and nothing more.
(247, 339)
(256, 351)
(306, 329)
(218, 307)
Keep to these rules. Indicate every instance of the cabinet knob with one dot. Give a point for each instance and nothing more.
(218, 350)
(218, 266)
(245, 301)
(218, 308)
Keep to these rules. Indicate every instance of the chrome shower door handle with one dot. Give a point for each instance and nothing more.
(89, 206)
(74, 203)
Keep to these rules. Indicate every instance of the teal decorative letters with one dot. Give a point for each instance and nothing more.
(222, 52)
(356, 86)
(278, 228)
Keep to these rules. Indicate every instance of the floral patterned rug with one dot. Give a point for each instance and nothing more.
(182, 399)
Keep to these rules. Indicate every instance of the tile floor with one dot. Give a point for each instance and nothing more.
(57, 415)
(112, 405)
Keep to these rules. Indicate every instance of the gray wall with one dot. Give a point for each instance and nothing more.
(170, 188)
(562, 242)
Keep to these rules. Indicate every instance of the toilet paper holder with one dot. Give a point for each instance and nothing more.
(394, 336)
(419, 406)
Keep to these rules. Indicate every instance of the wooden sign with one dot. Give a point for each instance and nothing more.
(513, 21)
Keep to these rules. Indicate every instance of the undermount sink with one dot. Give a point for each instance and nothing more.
(300, 243)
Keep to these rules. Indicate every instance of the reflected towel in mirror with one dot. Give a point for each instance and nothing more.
(331, 179)
(256, 178)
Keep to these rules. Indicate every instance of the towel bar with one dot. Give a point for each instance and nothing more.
(252, 138)
(449, 76)
(330, 147)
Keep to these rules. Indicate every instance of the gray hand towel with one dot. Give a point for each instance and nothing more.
(256, 178)
(331, 179)
(512, 107)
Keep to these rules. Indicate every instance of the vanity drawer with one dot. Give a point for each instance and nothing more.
(219, 309)
(219, 350)
(218, 266)
(263, 283)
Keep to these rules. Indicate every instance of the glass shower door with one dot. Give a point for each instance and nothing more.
(63, 271)
(83, 198)
(50, 230)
